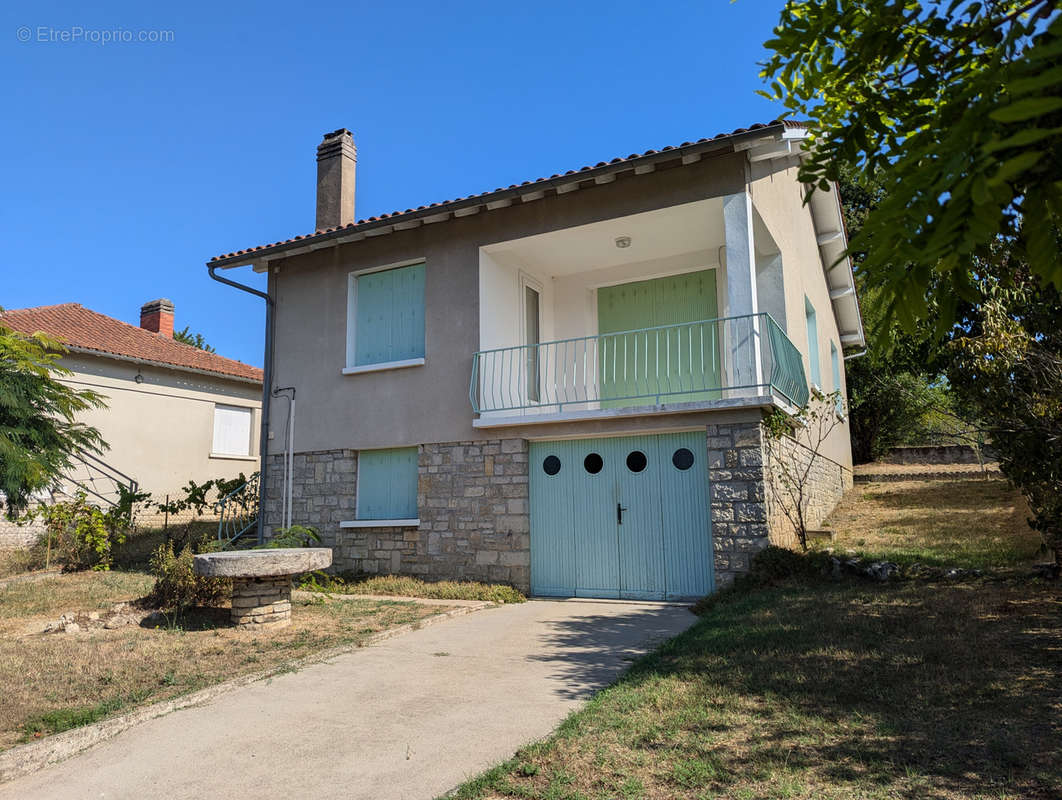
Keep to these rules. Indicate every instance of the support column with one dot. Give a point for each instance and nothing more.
(741, 337)
(262, 601)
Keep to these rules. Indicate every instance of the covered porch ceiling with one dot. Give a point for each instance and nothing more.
(650, 236)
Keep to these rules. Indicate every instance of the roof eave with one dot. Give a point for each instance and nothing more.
(502, 198)
(89, 351)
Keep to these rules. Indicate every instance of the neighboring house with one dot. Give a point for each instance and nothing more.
(560, 384)
(174, 413)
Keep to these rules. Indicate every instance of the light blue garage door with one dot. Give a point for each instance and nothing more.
(621, 517)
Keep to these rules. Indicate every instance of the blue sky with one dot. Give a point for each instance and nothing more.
(129, 164)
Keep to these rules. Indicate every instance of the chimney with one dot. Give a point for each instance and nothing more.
(157, 317)
(336, 159)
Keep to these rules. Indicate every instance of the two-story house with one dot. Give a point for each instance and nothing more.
(559, 384)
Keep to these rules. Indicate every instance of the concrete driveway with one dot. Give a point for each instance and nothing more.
(409, 718)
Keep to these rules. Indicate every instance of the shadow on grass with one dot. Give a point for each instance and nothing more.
(853, 690)
(188, 619)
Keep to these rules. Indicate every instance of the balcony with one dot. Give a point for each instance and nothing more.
(704, 364)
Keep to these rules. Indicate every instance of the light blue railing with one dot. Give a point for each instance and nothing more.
(713, 359)
(238, 512)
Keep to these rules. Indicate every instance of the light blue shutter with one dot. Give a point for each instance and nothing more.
(813, 343)
(387, 483)
(390, 316)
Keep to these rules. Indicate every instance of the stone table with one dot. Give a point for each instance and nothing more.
(261, 580)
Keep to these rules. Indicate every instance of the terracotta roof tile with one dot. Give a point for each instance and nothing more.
(786, 123)
(80, 327)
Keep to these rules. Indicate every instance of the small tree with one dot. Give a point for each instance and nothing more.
(196, 340)
(38, 431)
(791, 459)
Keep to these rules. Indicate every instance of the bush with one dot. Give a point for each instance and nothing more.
(295, 536)
(177, 585)
(81, 535)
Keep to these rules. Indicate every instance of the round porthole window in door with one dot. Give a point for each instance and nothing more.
(682, 459)
(551, 465)
(636, 461)
(593, 463)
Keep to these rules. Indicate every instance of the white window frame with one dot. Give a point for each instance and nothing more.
(250, 454)
(530, 282)
(349, 367)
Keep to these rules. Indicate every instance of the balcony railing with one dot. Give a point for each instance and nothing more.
(715, 359)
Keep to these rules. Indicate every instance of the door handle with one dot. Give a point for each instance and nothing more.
(619, 513)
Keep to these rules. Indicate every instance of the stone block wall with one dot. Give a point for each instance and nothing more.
(738, 502)
(14, 536)
(472, 500)
(827, 482)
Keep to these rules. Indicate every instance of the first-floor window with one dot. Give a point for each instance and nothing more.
(232, 431)
(387, 483)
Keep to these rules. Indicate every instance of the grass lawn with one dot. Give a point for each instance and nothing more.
(975, 524)
(851, 689)
(55, 681)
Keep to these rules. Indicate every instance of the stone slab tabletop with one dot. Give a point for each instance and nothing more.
(262, 563)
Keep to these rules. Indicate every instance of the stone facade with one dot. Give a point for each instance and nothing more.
(14, 536)
(739, 506)
(826, 484)
(474, 516)
(472, 500)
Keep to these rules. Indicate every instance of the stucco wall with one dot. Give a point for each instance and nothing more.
(430, 403)
(160, 431)
(777, 197)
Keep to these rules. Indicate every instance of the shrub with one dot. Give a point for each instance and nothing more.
(81, 535)
(295, 536)
(177, 585)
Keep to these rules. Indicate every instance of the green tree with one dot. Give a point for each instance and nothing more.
(194, 339)
(38, 430)
(1006, 364)
(955, 107)
(889, 388)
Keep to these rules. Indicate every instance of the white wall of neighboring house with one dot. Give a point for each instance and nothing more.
(161, 430)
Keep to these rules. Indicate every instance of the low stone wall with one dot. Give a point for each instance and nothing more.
(933, 454)
(826, 485)
(14, 536)
(472, 500)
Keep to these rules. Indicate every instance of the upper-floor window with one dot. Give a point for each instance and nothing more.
(385, 318)
(232, 431)
(813, 344)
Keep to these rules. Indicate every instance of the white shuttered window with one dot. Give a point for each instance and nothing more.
(232, 431)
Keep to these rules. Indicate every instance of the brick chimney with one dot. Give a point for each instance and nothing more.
(336, 160)
(157, 317)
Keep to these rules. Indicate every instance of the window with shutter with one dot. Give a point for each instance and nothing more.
(232, 431)
(387, 484)
(386, 318)
(813, 344)
(835, 366)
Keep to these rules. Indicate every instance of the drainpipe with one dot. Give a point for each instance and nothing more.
(267, 378)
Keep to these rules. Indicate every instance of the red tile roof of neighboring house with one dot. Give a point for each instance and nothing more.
(83, 329)
(527, 186)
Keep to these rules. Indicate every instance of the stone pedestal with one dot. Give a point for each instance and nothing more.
(261, 581)
(261, 601)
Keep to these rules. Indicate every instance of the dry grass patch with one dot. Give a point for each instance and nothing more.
(825, 691)
(56, 681)
(405, 586)
(975, 524)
